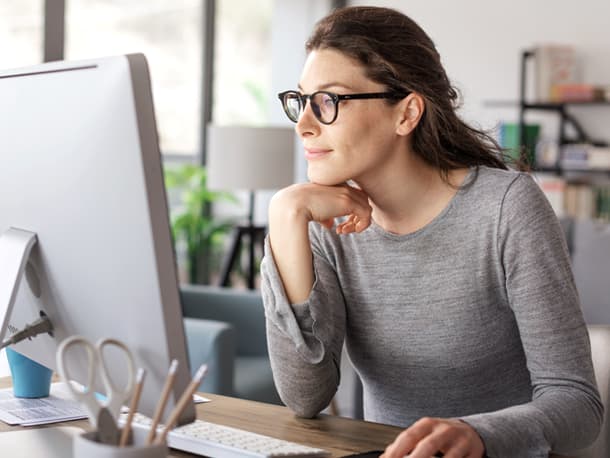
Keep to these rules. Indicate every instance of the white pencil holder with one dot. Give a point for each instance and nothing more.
(87, 446)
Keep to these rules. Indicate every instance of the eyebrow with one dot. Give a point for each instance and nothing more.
(327, 85)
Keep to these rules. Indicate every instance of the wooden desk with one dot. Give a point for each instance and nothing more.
(340, 436)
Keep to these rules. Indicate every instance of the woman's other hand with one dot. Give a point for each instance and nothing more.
(428, 436)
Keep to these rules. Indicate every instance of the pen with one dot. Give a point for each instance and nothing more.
(169, 381)
(133, 406)
(182, 403)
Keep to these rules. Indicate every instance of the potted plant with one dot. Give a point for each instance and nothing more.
(198, 237)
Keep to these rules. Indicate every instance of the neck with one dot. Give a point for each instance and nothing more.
(410, 194)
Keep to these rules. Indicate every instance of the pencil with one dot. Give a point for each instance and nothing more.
(169, 382)
(133, 406)
(182, 403)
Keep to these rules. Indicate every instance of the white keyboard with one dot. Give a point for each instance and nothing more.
(218, 441)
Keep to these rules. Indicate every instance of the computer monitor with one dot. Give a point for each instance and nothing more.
(80, 168)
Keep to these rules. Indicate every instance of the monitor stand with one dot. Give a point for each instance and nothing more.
(15, 247)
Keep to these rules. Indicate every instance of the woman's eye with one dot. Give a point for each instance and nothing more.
(327, 102)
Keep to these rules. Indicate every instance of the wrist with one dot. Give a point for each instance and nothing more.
(285, 208)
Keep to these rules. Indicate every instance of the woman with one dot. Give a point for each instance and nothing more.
(445, 273)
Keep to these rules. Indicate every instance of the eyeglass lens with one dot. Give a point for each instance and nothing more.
(322, 105)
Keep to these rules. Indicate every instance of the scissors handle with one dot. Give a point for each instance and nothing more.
(116, 396)
(86, 395)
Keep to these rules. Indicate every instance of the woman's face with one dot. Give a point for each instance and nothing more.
(363, 139)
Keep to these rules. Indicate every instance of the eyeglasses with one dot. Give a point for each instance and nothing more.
(324, 104)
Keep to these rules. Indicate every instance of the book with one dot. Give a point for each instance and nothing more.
(599, 157)
(573, 92)
(553, 188)
(575, 156)
(554, 64)
(509, 138)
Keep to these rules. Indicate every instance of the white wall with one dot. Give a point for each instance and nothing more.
(480, 42)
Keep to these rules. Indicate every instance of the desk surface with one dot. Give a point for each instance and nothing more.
(340, 436)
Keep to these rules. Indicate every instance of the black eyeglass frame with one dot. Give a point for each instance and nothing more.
(336, 98)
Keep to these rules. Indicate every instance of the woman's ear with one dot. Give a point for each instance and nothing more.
(411, 109)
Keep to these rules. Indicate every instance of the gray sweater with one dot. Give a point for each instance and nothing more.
(474, 316)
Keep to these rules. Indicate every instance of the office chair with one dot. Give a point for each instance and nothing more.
(225, 328)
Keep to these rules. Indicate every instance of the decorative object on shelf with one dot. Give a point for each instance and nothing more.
(197, 236)
(547, 153)
(251, 159)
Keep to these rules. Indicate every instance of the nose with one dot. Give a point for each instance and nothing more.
(307, 125)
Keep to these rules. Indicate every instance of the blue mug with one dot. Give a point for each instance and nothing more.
(30, 379)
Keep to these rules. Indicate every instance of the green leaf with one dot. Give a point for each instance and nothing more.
(190, 221)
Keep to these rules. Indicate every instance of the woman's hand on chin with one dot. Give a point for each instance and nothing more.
(323, 204)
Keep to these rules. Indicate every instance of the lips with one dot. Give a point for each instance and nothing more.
(316, 153)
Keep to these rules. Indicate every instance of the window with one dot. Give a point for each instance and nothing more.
(169, 34)
(242, 62)
(21, 33)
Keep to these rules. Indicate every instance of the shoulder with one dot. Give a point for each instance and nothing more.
(506, 199)
(522, 207)
(493, 181)
(523, 198)
(508, 188)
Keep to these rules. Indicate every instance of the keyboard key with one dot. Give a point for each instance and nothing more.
(210, 439)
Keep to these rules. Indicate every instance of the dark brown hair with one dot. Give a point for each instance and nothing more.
(397, 53)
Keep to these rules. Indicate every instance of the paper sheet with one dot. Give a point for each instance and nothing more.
(29, 412)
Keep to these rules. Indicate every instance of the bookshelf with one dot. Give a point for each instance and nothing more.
(577, 190)
(566, 119)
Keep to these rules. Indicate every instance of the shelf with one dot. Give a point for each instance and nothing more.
(562, 110)
(564, 170)
(554, 106)
(551, 106)
(565, 117)
(501, 103)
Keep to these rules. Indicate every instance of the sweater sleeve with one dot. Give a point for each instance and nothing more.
(565, 412)
(305, 339)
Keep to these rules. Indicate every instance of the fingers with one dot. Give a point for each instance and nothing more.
(428, 436)
(406, 441)
(354, 223)
(359, 217)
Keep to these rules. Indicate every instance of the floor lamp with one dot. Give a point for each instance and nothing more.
(252, 159)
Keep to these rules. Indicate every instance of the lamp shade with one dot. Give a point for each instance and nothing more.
(249, 158)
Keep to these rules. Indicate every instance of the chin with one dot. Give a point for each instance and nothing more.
(326, 179)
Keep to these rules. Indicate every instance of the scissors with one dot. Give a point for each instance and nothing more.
(102, 413)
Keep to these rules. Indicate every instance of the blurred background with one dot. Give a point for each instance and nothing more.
(223, 62)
